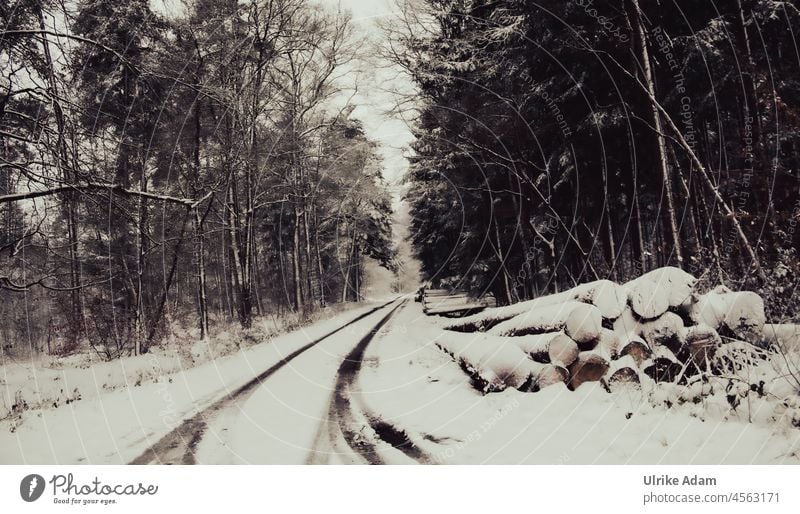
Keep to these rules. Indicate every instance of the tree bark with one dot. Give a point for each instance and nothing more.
(141, 265)
(240, 248)
(168, 284)
(69, 203)
(296, 273)
(640, 44)
(202, 297)
(502, 263)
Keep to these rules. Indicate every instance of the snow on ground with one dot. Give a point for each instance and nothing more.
(405, 381)
(52, 381)
(285, 421)
(113, 427)
(417, 388)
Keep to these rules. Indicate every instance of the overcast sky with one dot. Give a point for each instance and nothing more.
(391, 132)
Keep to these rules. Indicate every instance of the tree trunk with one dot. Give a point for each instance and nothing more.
(141, 265)
(640, 44)
(167, 284)
(502, 263)
(69, 201)
(351, 257)
(307, 255)
(227, 268)
(200, 250)
(296, 273)
(607, 230)
(239, 247)
(320, 269)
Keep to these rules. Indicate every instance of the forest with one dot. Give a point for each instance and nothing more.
(343, 232)
(196, 164)
(563, 142)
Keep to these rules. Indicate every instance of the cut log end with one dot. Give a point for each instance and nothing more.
(702, 342)
(664, 366)
(563, 350)
(622, 376)
(584, 324)
(637, 348)
(667, 330)
(551, 374)
(590, 367)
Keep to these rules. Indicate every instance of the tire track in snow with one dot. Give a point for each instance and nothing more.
(179, 445)
(342, 412)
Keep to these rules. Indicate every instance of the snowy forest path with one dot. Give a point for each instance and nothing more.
(181, 444)
(346, 413)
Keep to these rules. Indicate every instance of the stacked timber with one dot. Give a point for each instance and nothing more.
(655, 327)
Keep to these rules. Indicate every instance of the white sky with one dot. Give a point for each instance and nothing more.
(372, 100)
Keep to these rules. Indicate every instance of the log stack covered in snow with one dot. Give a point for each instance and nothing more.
(655, 327)
(495, 363)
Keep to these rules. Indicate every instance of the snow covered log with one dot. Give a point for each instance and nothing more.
(663, 366)
(709, 309)
(627, 323)
(580, 321)
(553, 347)
(445, 302)
(549, 374)
(745, 315)
(609, 342)
(487, 319)
(740, 313)
(701, 343)
(653, 293)
(589, 367)
(627, 328)
(606, 295)
(622, 371)
(666, 330)
(784, 336)
(646, 299)
(493, 363)
(634, 346)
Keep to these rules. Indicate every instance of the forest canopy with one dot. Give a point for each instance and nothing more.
(561, 142)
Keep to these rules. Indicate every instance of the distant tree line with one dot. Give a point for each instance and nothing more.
(155, 167)
(564, 141)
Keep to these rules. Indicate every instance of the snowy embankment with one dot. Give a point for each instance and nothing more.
(114, 424)
(54, 381)
(651, 371)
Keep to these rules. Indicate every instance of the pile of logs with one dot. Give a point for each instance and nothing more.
(655, 326)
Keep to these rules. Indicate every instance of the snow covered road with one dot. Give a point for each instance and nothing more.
(118, 426)
(297, 411)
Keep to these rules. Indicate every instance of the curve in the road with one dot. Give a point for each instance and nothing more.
(342, 409)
